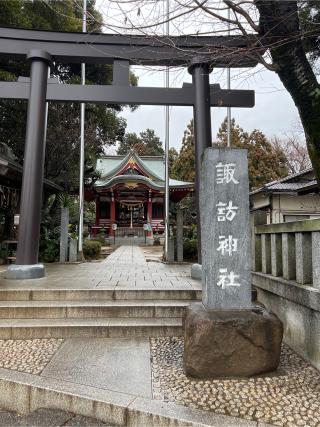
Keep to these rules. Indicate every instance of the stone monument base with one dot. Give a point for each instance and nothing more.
(20, 272)
(196, 271)
(230, 343)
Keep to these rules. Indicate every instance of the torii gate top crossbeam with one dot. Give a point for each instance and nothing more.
(219, 51)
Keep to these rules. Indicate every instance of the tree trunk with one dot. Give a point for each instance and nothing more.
(280, 30)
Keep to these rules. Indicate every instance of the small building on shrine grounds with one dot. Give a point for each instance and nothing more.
(10, 193)
(293, 198)
(130, 193)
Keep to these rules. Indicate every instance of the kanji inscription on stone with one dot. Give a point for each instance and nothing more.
(225, 229)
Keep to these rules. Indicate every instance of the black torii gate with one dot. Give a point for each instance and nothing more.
(199, 54)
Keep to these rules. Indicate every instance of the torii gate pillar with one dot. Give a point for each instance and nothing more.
(202, 132)
(27, 265)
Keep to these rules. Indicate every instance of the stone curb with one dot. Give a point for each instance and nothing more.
(24, 393)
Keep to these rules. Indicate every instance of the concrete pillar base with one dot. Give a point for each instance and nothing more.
(196, 271)
(21, 272)
(230, 343)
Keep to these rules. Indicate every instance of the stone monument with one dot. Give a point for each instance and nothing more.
(225, 335)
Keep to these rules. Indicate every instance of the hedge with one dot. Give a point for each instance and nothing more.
(91, 249)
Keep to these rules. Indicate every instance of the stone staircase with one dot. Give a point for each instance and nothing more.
(128, 241)
(99, 313)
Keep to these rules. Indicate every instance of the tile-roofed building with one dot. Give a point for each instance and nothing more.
(130, 192)
(10, 189)
(295, 197)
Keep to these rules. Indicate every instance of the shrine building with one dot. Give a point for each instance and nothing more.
(130, 193)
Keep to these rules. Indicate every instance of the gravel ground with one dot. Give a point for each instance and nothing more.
(30, 356)
(290, 397)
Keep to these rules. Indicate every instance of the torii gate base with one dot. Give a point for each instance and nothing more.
(21, 272)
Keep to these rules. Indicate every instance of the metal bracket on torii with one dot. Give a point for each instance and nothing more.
(40, 47)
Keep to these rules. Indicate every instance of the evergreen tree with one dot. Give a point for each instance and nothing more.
(266, 162)
(173, 157)
(128, 143)
(184, 166)
(146, 144)
(152, 143)
(103, 126)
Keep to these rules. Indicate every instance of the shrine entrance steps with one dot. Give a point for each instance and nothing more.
(122, 296)
(129, 240)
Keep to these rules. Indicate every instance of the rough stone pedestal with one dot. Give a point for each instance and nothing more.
(230, 343)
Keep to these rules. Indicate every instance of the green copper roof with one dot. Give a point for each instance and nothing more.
(111, 165)
(153, 166)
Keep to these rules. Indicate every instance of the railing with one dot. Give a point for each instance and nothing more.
(286, 275)
(104, 222)
(157, 224)
(289, 250)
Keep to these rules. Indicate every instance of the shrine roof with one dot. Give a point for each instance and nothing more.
(11, 171)
(152, 168)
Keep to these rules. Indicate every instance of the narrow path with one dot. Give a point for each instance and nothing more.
(126, 255)
(125, 268)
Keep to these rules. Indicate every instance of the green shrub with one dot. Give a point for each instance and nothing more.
(156, 240)
(91, 249)
(49, 244)
(190, 250)
(101, 236)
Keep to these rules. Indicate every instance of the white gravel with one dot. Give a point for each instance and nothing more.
(30, 356)
(289, 397)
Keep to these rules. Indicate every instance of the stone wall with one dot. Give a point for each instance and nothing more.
(299, 310)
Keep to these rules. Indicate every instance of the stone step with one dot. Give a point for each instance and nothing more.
(90, 328)
(92, 309)
(128, 241)
(120, 293)
(22, 392)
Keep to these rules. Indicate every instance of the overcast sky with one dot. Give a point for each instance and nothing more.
(273, 114)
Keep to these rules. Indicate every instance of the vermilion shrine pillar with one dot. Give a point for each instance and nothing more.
(97, 210)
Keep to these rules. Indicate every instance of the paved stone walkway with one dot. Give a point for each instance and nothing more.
(125, 268)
